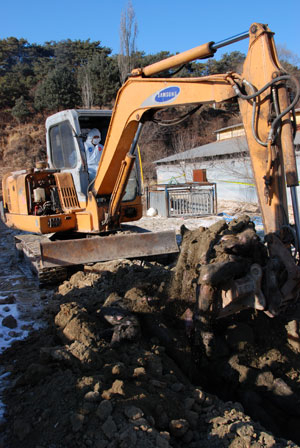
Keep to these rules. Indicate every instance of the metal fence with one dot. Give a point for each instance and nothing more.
(183, 200)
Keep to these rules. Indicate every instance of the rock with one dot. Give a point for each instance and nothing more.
(177, 387)
(133, 413)
(86, 408)
(243, 371)
(138, 372)
(81, 329)
(118, 369)
(293, 336)
(75, 324)
(161, 442)
(76, 421)
(178, 427)
(265, 379)
(85, 354)
(199, 396)
(142, 424)
(67, 312)
(281, 389)
(104, 410)
(10, 322)
(98, 386)
(109, 428)
(245, 431)
(92, 396)
(158, 384)
(165, 435)
(267, 440)
(48, 354)
(116, 388)
(128, 438)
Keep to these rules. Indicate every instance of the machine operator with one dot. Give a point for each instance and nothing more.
(93, 152)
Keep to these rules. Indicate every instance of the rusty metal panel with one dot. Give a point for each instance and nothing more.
(92, 250)
(199, 175)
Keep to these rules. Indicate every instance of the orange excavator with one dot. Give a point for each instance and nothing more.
(60, 199)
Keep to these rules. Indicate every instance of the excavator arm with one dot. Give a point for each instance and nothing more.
(261, 91)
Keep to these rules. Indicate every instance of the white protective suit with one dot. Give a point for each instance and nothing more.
(93, 151)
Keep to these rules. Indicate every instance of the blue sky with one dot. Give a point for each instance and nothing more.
(170, 25)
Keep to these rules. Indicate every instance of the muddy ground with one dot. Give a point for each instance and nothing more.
(119, 361)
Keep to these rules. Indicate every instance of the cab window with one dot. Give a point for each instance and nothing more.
(133, 187)
(63, 151)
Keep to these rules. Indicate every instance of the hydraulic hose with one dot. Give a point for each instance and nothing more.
(256, 93)
(273, 134)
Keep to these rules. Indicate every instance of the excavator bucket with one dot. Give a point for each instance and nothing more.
(105, 248)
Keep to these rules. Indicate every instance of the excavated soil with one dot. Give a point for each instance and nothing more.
(123, 362)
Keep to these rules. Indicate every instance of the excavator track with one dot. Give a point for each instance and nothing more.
(52, 261)
(28, 248)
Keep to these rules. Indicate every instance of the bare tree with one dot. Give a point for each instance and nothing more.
(286, 55)
(183, 141)
(86, 88)
(128, 33)
(291, 63)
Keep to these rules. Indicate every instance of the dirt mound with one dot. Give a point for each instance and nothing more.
(117, 365)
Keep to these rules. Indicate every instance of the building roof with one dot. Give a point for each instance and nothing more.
(219, 148)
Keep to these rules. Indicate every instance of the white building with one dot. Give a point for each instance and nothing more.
(226, 161)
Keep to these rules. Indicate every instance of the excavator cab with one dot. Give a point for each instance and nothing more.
(66, 132)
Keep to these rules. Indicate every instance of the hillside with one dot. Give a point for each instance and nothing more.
(22, 145)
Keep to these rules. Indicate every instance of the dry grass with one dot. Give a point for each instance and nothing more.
(23, 146)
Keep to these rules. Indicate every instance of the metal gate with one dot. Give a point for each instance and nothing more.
(183, 200)
(191, 202)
